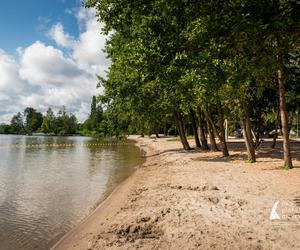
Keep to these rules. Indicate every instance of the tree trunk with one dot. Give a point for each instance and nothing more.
(222, 133)
(202, 132)
(180, 128)
(194, 126)
(291, 118)
(213, 144)
(284, 121)
(222, 140)
(274, 140)
(165, 130)
(248, 135)
(248, 142)
(276, 131)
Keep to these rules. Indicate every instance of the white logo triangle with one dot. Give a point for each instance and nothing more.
(274, 215)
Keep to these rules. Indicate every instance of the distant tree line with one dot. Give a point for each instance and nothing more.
(33, 121)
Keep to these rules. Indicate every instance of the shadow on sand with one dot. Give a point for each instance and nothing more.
(237, 151)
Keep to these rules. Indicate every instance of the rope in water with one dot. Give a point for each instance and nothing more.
(64, 145)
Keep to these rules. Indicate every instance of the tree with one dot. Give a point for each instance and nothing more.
(61, 123)
(49, 122)
(73, 125)
(17, 125)
(5, 129)
(33, 120)
(96, 114)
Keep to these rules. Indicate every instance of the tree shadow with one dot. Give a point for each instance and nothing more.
(177, 150)
(237, 151)
(277, 152)
(220, 158)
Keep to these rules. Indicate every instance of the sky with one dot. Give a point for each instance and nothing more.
(50, 54)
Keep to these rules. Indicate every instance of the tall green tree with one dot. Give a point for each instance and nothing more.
(17, 124)
(96, 114)
(49, 122)
(33, 120)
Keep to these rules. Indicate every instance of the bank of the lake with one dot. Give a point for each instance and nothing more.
(197, 200)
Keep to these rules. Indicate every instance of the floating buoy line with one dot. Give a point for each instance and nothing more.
(64, 145)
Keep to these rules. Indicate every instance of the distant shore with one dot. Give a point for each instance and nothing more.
(197, 200)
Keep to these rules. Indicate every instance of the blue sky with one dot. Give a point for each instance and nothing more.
(25, 21)
(50, 54)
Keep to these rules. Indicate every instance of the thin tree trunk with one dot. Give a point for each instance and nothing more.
(181, 131)
(255, 136)
(249, 143)
(178, 128)
(248, 135)
(165, 130)
(291, 118)
(284, 121)
(222, 140)
(202, 132)
(222, 132)
(213, 144)
(194, 127)
(184, 132)
(274, 140)
(276, 130)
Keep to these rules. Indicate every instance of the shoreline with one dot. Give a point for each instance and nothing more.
(72, 234)
(191, 200)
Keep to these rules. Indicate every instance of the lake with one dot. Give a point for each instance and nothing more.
(49, 184)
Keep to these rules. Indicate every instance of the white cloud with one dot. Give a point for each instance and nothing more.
(62, 38)
(44, 75)
(89, 48)
(11, 87)
(84, 15)
(45, 65)
(10, 83)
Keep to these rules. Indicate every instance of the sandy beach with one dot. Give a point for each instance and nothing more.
(198, 200)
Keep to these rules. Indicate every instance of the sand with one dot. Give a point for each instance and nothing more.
(198, 200)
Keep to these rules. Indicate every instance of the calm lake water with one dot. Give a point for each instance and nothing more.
(46, 190)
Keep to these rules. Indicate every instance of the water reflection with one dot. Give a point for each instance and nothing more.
(45, 191)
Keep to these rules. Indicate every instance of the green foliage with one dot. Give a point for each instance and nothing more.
(33, 120)
(16, 124)
(96, 115)
(48, 125)
(62, 124)
(6, 129)
(224, 58)
(92, 125)
(65, 124)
